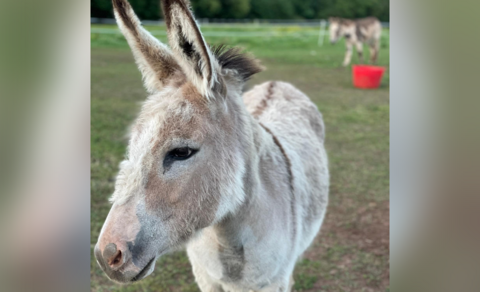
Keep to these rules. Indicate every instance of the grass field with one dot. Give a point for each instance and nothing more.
(352, 251)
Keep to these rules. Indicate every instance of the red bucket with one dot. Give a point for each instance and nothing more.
(367, 76)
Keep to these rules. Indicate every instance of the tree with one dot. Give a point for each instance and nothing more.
(235, 8)
(306, 9)
(262, 9)
(354, 8)
(272, 9)
(146, 9)
(101, 8)
(207, 8)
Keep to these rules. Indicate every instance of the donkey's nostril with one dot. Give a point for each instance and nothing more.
(116, 259)
(113, 256)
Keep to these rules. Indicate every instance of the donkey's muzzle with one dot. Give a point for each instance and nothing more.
(113, 261)
(113, 256)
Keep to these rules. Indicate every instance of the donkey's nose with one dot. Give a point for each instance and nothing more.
(113, 256)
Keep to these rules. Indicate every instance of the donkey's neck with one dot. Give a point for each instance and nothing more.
(266, 184)
(262, 221)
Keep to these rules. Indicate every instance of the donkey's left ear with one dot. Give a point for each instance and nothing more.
(189, 46)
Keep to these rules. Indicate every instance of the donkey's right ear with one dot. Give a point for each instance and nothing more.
(153, 58)
(189, 46)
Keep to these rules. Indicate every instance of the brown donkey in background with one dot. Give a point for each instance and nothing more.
(242, 183)
(357, 32)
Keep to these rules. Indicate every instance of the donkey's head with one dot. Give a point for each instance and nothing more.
(186, 155)
(339, 27)
(334, 29)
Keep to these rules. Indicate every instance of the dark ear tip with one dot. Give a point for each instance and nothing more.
(167, 9)
(119, 3)
(167, 4)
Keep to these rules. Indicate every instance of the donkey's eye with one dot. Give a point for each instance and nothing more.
(181, 153)
(177, 154)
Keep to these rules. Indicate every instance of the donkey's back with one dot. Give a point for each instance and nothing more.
(297, 125)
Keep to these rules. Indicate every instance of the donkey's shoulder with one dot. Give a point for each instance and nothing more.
(274, 94)
(367, 21)
(283, 106)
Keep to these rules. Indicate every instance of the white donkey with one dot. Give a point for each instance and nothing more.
(356, 32)
(242, 184)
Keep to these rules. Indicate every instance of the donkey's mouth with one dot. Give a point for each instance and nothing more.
(144, 271)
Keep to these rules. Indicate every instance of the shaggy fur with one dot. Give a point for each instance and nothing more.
(356, 33)
(233, 59)
(253, 193)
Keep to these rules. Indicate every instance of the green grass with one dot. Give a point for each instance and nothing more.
(350, 254)
(288, 44)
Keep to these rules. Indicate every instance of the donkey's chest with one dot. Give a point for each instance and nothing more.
(242, 264)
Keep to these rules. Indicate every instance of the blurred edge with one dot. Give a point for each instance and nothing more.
(434, 158)
(44, 145)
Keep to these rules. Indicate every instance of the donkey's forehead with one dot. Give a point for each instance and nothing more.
(172, 104)
(173, 113)
(176, 95)
(334, 25)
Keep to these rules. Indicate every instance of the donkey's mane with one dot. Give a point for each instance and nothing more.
(234, 58)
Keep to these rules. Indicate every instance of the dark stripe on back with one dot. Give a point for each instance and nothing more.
(263, 104)
(290, 178)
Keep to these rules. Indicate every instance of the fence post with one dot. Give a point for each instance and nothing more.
(323, 24)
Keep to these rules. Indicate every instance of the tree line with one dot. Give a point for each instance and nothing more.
(258, 9)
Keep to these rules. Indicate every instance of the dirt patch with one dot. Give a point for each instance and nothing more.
(354, 248)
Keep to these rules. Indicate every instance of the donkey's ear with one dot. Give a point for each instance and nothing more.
(154, 59)
(188, 45)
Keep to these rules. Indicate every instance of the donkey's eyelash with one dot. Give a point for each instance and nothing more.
(181, 153)
(177, 154)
